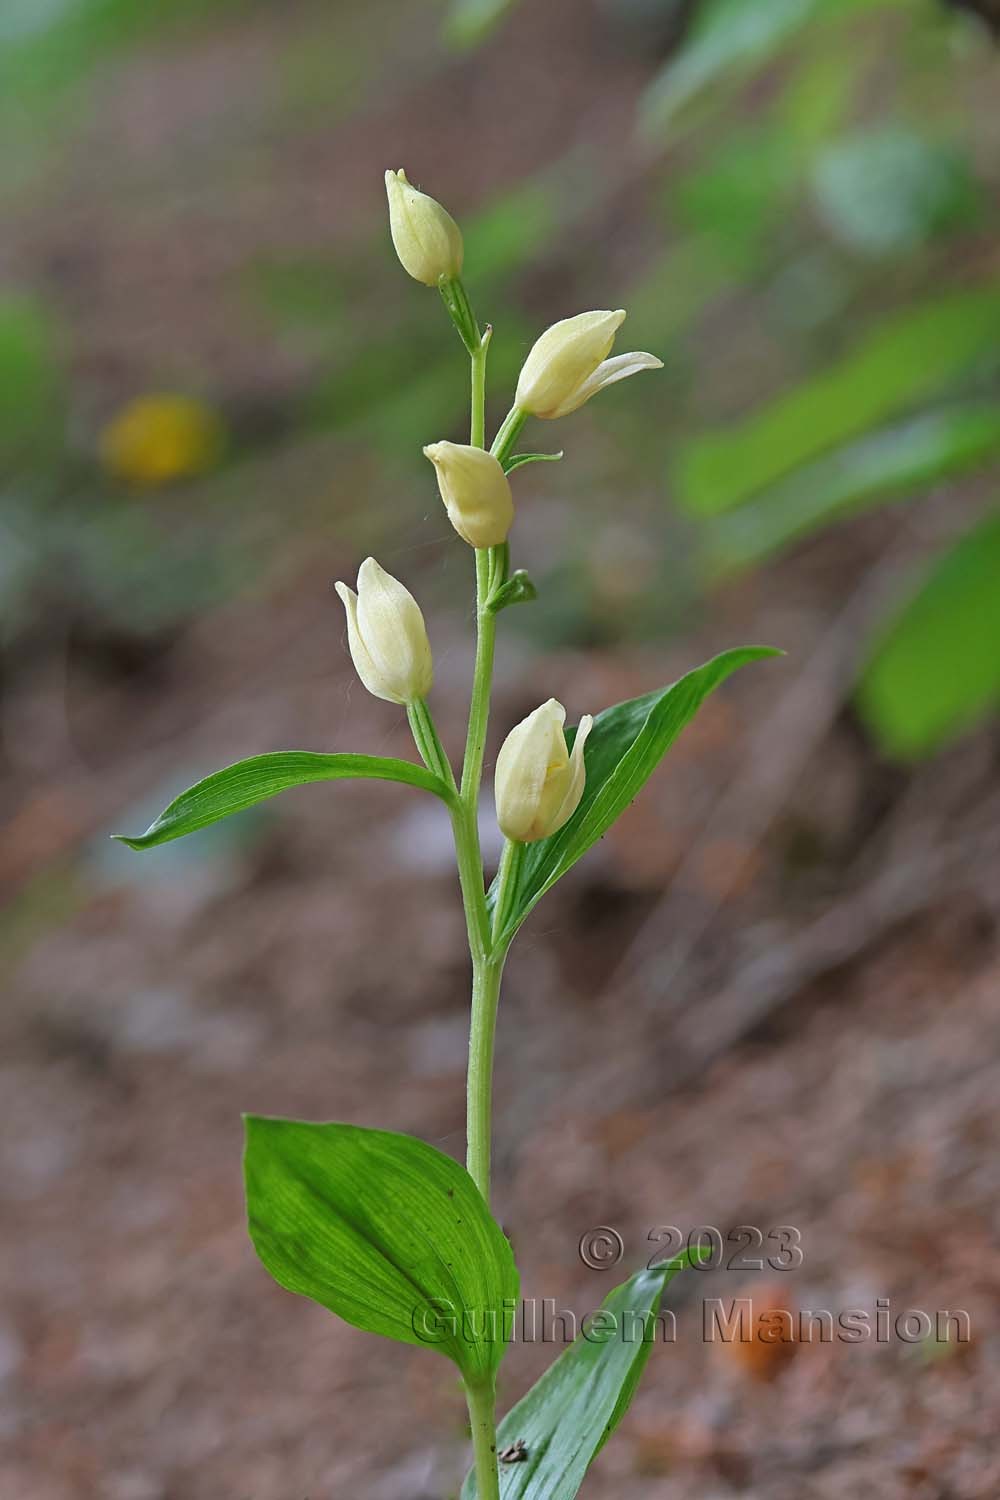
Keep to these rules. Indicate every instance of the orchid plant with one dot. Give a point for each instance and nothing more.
(380, 1228)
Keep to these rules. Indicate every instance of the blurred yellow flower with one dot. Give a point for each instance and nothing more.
(159, 438)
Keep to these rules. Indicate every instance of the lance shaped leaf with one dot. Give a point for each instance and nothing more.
(262, 776)
(934, 668)
(625, 746)
(386, 1232)
(518, 460)
(905, 361)
(569, 1414)
(894, 462)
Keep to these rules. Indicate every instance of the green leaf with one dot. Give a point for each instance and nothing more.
(262, 776)
(471, 21)
(517, 460)
(569, 1414)
(625, 746)
(909, 358)
(728, 36)
(518, 589)
(730, 41)
(29, 372)
(899, 460)
(886, 191)
(934, 671)
(384, 1231)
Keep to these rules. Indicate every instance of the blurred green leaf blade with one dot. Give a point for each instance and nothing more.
(729, 36)
(248, 782)
(934, 670)
(910, 357)
(569, 1414)
(625, 746)
(471, 21)
(384, 1231)
(30, 382)
(895, 462)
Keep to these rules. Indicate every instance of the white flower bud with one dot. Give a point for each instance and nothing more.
(569, 364)
(387, 636)
(427, 239)
(538, 782)
(475, 490)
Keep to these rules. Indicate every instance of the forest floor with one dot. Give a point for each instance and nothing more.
(825, 1063)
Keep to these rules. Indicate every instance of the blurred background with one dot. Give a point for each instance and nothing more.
(772, 995)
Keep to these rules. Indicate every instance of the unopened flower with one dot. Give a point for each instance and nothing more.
(538, 782)
(387, 636)
(427, 239)
(475, 490)
(570, 363)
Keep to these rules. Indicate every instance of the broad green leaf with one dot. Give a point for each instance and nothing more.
(625, 746)
(262, 776)
(911, 356)
(569, 1414)
(934, 671)
(386, 1232)
(897, 461)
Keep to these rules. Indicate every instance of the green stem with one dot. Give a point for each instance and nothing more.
(470, 875)
(486, 976)
(470, 865)
(467, 819)
(482, 1408)
(479, 708)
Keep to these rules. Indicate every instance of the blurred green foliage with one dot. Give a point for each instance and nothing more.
(889, 191)
(904, 396)
(47, 45)
(905, 359)
(30, 382)
(805, 214)
(936, 668)
(469, 22)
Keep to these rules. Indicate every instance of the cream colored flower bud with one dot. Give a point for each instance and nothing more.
(427, 239)
(570, 363)
(538, 782)
(387, 636)
(475, 490)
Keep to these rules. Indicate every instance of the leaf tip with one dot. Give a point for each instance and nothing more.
(123, 838)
